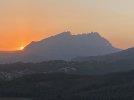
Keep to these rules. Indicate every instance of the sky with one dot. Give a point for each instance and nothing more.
(23, 21)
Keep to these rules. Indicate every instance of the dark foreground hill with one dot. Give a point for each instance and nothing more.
(96, 78)
(60, 86)
(63, 46)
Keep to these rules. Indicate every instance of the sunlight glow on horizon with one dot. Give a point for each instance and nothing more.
(33, 20)
(22, 47)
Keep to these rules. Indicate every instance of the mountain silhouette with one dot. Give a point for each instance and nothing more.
(63, 46)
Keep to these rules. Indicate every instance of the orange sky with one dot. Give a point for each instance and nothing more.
(23, 21)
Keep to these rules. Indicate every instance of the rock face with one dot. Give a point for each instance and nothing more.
(63, 46)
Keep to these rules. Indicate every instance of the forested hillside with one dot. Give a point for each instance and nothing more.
(60, 86)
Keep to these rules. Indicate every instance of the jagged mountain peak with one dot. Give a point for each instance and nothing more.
(65, 45)
(95, 34)
(68, 33)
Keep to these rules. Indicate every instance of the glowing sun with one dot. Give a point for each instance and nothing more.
(21, 48)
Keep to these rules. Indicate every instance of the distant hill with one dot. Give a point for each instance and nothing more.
(124, 55)
(63, 46)
(122, 61)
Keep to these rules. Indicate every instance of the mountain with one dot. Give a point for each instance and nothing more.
(63, 46)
